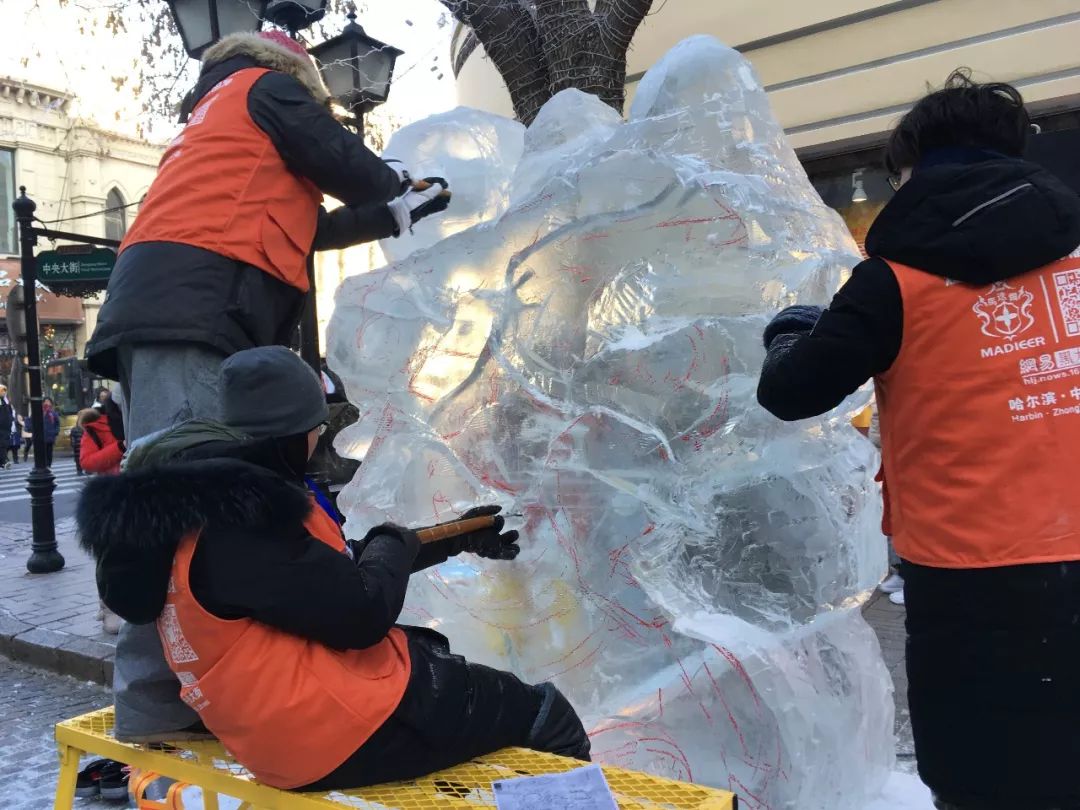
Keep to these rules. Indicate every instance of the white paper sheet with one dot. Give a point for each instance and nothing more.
(580, 789)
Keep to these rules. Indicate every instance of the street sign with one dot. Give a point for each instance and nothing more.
(75, 263)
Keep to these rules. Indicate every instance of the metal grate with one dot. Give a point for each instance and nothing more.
(464, 787)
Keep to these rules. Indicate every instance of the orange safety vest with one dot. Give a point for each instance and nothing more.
(222, 186)
(289, 709)
(980, 419)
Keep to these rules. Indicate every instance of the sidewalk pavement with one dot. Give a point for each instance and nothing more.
(48, 620)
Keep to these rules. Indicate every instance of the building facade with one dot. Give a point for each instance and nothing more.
(74, 171)
(839, 73)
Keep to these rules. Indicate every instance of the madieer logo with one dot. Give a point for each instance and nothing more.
(1005, 311)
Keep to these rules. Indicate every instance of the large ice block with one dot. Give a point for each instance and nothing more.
(476, 151)
(692, 568)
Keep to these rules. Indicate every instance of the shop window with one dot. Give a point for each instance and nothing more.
(857, 193)
(115, 215)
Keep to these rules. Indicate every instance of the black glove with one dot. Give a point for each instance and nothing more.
(798, 319)
(415, 204)
(492, 543)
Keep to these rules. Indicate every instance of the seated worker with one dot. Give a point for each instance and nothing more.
(281, 632)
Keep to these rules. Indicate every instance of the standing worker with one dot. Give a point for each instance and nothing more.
(216, 262)
(967, 318)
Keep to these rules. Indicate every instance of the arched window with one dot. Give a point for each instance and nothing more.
(115, 221)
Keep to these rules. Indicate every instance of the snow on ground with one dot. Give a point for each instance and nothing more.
(903, 791)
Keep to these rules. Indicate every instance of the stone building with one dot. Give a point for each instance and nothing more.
(74, 170)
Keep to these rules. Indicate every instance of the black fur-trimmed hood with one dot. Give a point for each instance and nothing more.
(132, 523)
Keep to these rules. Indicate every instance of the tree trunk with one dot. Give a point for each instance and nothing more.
(553, 45)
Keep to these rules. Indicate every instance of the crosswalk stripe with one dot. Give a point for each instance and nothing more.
(26, 497)
(71, 485)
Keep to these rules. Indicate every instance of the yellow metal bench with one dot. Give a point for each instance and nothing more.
(465, 787)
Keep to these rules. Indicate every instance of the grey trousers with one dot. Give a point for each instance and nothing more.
(163, 384)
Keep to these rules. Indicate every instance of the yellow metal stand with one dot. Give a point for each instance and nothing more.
(465, 787)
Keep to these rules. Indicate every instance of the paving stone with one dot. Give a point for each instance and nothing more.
(31, 703)
(61, 605)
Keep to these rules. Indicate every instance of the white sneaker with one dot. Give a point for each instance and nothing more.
(897, 598)
(892, 584)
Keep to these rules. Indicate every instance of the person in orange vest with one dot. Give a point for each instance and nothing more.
(967, 318)
(216, 262)
(284, 636)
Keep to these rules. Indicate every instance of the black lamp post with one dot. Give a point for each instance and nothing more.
(44, 557)
(357, 69)
(295, 15)
(203, 22)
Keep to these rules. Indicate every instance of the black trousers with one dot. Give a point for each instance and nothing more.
(452, 711)
(48, 454)
(993, 663)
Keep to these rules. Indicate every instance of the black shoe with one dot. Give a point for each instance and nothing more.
(88, 782)
(114, 781)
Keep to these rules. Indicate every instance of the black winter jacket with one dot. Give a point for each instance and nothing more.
(254, 558)
(976, 218)
(170, 292)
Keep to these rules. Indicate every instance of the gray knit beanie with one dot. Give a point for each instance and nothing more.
(271, 392)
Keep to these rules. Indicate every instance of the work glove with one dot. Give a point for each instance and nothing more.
(355, 548)
(404, 178)
(799, 319)
(426, 197)
(492, 543)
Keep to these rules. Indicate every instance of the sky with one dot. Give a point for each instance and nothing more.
(54, 43)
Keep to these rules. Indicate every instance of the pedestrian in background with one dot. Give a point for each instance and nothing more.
(76, 435)
(16, 439)
(52, 428)
(8, 427)
(27, 436)
(101, 452)
(103, 445)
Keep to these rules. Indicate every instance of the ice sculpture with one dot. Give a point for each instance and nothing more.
(478, 151)
(693, 567)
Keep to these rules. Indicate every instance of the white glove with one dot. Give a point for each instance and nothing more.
(403, 174)
(415, 204)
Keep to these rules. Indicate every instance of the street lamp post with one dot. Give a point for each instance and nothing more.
(357, 69)
(44, 556)
(295, 15)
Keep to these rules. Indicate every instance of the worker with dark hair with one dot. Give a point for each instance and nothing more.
(967, 318)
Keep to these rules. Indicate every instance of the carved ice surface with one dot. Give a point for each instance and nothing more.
(474, 150)
(692, 568)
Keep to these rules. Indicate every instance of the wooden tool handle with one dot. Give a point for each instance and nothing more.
(458, 527)
(424, 185)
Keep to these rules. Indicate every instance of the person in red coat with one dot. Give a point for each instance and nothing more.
(102, 445)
